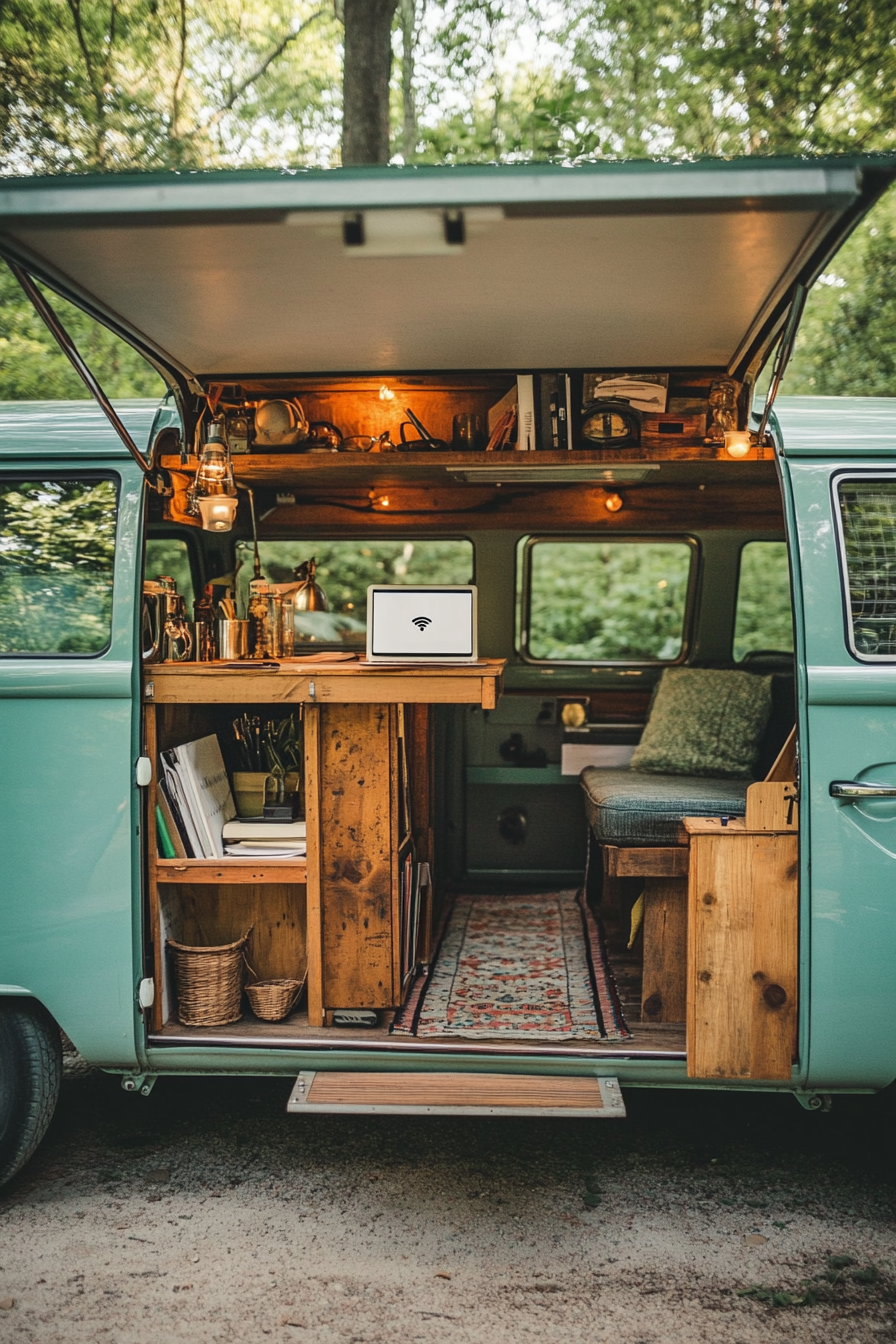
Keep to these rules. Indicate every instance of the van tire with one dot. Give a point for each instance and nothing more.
(30, 1076)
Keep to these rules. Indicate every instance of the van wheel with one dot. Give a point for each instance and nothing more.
(30, 1075)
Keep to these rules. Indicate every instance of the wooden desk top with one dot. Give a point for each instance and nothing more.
(297, 681)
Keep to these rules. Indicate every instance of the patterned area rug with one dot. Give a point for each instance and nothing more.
(518, 968)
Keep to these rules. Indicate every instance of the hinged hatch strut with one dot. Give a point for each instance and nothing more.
(54, 325)
(782, 358)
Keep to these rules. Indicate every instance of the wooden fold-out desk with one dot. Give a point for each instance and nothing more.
(368, 793)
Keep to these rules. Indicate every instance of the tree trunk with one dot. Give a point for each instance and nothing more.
(408, 13)
(365, 81)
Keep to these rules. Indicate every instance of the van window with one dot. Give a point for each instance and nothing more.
(170, 556)
(606, 601)
(57, 552)
(764, 614)
(344, 571)
(868, 513)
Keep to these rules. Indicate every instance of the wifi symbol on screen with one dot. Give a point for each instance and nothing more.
(421, 622)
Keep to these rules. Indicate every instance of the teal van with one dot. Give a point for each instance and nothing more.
(643, 835)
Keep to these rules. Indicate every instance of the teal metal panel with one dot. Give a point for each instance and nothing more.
(69, 811)
(848, 855)
(75, 429)
(840, 427)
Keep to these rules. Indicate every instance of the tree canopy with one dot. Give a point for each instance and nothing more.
(124, 85)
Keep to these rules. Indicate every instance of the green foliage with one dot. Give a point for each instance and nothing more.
(595, 601)
(345, 569)
(125, 85)
(57, 547)
(764, 618)
(33, 368)
(169, 556)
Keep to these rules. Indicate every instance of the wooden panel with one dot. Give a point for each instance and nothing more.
(742, 955)
(772, 807)
(666, 862)
(752, 501)
(358, 848)
(784, 768)
(295, 682)
(454, 1089)
(312, 864)
(210, 916)
(664, 984)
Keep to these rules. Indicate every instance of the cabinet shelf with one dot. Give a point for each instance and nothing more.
(230, 872)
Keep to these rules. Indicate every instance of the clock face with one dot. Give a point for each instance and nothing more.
(605, 424)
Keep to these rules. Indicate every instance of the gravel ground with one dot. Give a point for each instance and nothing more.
(205, 1212)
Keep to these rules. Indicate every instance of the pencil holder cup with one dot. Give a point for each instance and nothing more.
(251, 790)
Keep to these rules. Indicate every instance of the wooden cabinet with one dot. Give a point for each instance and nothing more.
(368, 802)
(742, 950)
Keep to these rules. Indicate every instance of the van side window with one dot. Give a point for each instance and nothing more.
(605, 601)
(764, 614)
(171, 556)
(344, 571)
(868, 514)
(57, 553)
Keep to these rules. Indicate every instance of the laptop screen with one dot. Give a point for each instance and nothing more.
(421, 623)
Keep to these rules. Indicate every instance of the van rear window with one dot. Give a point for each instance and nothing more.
(868, 516)
(605, 601)
(57, 554)
(764, 615)
(344, 571)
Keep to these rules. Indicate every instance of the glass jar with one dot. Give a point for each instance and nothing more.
(265, 620)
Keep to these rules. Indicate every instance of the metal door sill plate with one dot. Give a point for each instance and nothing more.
(343, 1093)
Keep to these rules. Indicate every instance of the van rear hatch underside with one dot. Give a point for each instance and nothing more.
(637, 264)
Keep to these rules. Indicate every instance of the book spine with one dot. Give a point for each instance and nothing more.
(166, 848)
(175, 831)
(525, 393)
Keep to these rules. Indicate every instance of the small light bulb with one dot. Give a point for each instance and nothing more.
(386, 393)
(737, 442)
(383, 501)
(217, 512)
(613, 503)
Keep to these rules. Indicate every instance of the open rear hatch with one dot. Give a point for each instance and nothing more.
(606, 265)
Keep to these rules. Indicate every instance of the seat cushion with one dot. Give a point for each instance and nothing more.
(626, 807)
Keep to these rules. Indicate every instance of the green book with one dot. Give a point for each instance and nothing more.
(166, 849)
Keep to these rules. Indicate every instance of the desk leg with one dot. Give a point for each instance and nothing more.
(313, 879)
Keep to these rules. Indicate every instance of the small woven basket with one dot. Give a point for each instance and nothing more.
(209, 982)
(272, 1000)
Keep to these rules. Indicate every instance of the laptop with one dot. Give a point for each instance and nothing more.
(421, 625)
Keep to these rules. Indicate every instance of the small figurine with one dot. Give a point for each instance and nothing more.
(723, 409)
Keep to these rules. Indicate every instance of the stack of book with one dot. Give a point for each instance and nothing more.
(265, 839)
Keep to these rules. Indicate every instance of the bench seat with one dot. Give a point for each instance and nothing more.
(629, 808)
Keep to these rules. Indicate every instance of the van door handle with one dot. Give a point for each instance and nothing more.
(861, 788)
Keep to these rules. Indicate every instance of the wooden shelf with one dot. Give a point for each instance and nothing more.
(297, 682)
(230, 871)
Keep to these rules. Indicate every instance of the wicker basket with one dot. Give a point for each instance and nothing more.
(272, 1000)
(209, 982)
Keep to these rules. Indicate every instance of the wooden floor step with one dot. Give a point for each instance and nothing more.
(456, 1094)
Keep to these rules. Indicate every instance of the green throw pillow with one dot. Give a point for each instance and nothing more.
(705, 721)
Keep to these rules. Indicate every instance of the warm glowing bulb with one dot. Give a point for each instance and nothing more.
(737, 442)
(217, 512)
(613, 503)
(386, 393)
(383, 501)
